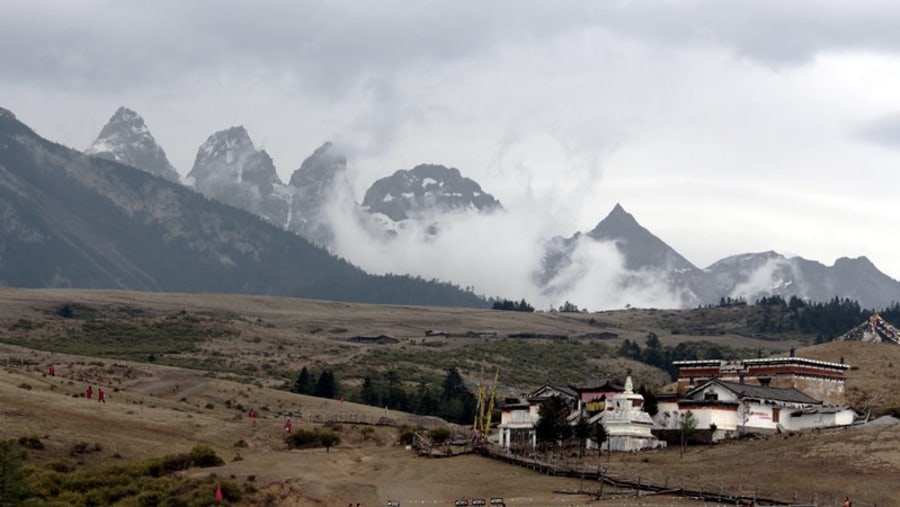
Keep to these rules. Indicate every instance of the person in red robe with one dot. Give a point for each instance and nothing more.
(89, 392)
(101, 395)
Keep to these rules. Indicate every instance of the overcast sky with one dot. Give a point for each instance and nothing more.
(724, 127)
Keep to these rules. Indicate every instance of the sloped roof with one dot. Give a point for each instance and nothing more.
(536, 394)
(875, 329)
(790, 395)
(600, 383)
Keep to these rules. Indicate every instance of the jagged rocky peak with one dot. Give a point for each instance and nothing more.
(857, 263)
(618, 221)
(230, 156)
(424, 190)
(320, 181)
(127, 139)
(746, 260)
(230, 169)
(319, 168)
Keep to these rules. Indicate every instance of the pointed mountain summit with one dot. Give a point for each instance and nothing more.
(644, 256)
(426, 190)
(127, 140)
(319, 169)
(320, 181)
(640, 247)
(230, 169)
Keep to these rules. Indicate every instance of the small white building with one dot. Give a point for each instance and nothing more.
(518, 419)
(517, 426)
(733, 408)
(628, 426)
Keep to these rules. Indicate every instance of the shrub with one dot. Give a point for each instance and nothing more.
(204, 456)
(31, 442)
(406, 434)
(79, 448)
(200, 456)
(302, 439)
(306, 439)
(61, 466)
(329, 440)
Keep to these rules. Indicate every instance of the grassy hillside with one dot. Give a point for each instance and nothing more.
(216, 356)
(270, 339)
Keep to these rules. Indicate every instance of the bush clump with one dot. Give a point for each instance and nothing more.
(406, 434)
(308, 439)
(32, 442)
(84, 448)
(202, 456)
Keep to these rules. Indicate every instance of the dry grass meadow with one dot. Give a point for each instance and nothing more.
(154, 409)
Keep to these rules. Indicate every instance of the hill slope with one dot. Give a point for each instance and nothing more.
(155, 409)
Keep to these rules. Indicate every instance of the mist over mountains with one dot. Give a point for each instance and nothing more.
(432, 222)
(69, 220)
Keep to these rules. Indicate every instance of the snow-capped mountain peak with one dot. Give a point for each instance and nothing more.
(426, 190)
(127, 139)
(229, 168)
(230, 147)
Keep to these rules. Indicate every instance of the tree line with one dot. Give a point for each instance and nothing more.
(824, 320)
(452, 400)
(662, 357)
(512, 306)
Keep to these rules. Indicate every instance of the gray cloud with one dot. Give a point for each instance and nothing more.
(884, 131)
(329, 46)
(562, 108)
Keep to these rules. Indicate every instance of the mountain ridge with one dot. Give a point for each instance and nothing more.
(307, 203)
(74, 220)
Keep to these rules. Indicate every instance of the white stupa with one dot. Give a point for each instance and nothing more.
(628, 426)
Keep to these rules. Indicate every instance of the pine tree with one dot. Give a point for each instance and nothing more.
(552, 425)
(368, 393)
(326, 386)
(582, 432)
(304, 384)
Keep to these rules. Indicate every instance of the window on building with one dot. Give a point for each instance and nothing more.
(711, 396)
